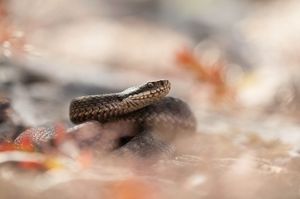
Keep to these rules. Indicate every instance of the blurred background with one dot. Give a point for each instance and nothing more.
(222, 55)
(235, 62)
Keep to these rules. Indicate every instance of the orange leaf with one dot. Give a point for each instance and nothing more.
(31, 165)
(134, 189)
(7, 146)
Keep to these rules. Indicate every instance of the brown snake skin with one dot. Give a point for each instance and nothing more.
(145, 103)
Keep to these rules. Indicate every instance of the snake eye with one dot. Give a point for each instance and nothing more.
(150, 84)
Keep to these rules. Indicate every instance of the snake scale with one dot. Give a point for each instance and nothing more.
(145, 106)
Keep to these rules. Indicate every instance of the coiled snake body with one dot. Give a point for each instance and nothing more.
(144, 106)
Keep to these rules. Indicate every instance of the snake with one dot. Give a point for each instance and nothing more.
(147, 107)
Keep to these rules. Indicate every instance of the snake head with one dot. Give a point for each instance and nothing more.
(149, 92)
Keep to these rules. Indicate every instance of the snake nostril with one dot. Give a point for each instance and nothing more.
(124, 140)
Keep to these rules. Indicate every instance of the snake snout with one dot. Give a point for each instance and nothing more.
(165, 84)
